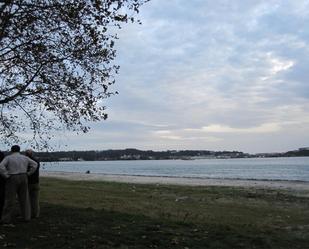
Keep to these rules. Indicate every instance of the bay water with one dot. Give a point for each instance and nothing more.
(283, 168)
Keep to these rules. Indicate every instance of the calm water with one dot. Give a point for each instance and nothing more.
(287, 168)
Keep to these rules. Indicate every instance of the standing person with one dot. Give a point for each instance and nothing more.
(2, 187)
(34, 187)
(15, 168)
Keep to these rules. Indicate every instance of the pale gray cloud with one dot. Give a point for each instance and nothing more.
(239, 68)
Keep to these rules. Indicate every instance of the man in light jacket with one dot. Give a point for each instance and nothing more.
(16, 168)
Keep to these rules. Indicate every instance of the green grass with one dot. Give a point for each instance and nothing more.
(77, 214)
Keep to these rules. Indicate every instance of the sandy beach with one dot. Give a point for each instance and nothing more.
(286, 185)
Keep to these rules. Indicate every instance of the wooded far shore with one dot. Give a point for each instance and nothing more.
(135, 154)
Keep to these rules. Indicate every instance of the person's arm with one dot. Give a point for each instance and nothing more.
(32, 166)
(3, 170)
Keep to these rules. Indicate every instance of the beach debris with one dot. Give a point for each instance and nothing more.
(42, 236)
(182, 198)
(8, 225)
(9, 245)
(175, 241)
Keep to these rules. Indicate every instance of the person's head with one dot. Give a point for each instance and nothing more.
(15, 148)
(29, 152)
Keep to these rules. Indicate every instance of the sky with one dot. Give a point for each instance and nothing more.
(209, 75)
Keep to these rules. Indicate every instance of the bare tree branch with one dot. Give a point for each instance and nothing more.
(58, 55)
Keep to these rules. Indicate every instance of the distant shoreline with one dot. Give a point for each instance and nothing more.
(136, 154)
(271, 184)
(171, 159)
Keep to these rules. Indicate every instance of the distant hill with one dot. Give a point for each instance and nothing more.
(299, 152)
(135, 154)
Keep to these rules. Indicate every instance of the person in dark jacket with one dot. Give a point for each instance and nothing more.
(2, 187)
(34, 187)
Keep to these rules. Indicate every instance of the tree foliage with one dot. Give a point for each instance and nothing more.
(56, 63)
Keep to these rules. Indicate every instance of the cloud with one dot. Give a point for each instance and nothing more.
(264, 128)
(211, 74)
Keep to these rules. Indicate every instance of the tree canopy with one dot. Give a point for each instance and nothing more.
(57, 63)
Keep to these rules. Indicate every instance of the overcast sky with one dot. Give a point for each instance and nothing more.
(212, 75)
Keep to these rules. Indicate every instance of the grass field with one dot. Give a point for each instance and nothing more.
(78, 214)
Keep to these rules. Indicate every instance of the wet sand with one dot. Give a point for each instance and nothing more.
(286, 185)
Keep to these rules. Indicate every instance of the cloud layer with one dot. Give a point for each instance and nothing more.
(211, 75)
